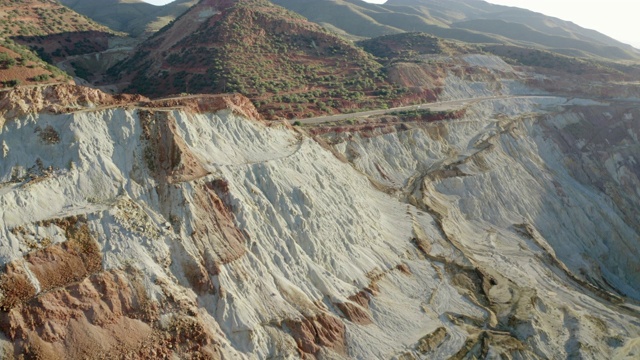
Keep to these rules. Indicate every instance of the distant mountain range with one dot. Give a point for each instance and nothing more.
(473, 21)
(134, 17)
(274, 53)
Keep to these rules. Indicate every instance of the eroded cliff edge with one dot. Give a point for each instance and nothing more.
(188, 227)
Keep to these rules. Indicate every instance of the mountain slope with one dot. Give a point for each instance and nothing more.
(462, 20)
(286, 64)
(133, 17)
(29, 24)
(362, 19)
(41, 18)
(500, 222)
(20, 66)
(453, 11)
(560, 44)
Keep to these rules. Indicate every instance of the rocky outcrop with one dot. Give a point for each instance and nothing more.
(73, 260)
(91, 318)
(106, 315)
(16, 285)
(236, 103)
(63, 98)
(218, 238)
(431, 341)
(313, 334)
(166, 154)
(354, 313)
(57, 99)
(53, 266)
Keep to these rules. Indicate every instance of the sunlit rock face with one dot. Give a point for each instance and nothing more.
(193, 229)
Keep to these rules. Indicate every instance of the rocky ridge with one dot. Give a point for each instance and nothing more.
(470, 21)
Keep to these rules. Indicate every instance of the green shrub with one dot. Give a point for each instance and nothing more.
(41, 77)
(6, 61)
(11, 83)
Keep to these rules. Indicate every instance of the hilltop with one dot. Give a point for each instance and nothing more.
(287, 65)
(290, 67)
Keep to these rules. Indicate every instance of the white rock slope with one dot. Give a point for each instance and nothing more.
(151, 232)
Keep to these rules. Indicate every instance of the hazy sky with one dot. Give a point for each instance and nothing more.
(616, 18)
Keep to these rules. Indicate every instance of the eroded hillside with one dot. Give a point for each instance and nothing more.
(190, 227)
(487, 207)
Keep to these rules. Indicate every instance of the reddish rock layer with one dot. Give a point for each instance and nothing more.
(167, 155)
(237, 103)
(57, 98)
(354, 313)
(83, 319)
(71, 261)
(15, 285)
(216, 235)
(362, 298)
(105, 316)
(54, 266)
(321, 331)
(62, 98)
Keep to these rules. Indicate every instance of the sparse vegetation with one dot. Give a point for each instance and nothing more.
(405, 46)
(41, 18)
(11, 83)
(41, 78)
(81, 70)
(547, 59)
(6, 61)
(297, 72)
(49, 30)
(461, 21)
(134, 18)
